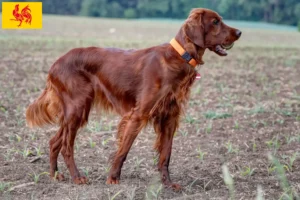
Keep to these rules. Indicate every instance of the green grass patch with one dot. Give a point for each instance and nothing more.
(256, 110)
(216, 115)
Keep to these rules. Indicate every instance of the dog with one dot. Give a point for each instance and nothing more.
(144, 86)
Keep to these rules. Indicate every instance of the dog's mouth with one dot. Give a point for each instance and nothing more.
(222, 48)
(227, 46)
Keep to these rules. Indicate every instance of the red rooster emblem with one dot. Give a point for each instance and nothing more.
(24, 15)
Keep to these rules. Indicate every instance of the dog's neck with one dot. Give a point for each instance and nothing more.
(195, 51)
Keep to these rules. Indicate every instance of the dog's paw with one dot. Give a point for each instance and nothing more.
(80, 180)
(111, 181)
(174, 186)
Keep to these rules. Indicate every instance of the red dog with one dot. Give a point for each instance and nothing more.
(148, 85)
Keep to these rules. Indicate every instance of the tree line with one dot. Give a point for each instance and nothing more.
(274, 11)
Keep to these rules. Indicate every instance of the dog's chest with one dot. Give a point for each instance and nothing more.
(174, 101)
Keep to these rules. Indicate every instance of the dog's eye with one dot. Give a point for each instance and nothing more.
(216, 22)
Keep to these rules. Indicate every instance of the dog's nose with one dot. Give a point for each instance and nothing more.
(238, 33)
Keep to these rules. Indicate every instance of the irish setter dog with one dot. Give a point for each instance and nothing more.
(144, 86)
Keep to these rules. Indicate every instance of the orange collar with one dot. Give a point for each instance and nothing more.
(184, 54)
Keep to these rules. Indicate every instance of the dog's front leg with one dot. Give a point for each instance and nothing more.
(165, 128)
(132, 124)
(129, 128)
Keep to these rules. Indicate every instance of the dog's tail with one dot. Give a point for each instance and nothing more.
(46, 109)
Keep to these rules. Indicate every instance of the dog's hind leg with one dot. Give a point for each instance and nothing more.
(69, 135)
(77, 105)
(75, 117)
(55, 147)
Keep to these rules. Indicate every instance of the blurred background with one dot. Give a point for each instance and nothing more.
(273, 11)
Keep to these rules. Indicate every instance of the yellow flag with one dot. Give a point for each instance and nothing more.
(22, 15)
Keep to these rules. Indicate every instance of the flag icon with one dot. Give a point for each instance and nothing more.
(22, 15)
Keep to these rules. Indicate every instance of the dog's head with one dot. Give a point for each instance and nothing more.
(206, 29)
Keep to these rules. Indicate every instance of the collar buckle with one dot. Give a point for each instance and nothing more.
(186, 56)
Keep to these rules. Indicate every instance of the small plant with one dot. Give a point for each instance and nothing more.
(191, 185)
(298, 138)
(228, 180)
(230, 148)
(38, 151)
(236, 125)
(9, 153)
(33, 136)
(209, 128)
(289, 139)
(274, 144)
(105, 141)
(107, 168)
(95, 126)
(280, 121)
(225, 105)
(197, 129)
(288, 191)
(184, 133)
(189, 119)
(247, 171)
(6, 114)
(138, 162)
(2, 109)
(269, 143)
(204, 185)
(36, 177)
(263, 123)
(220, 86)
(20, 121)
(155, 160)
(153, 192)
(271, 169)
(130, 194)
(92, 143)
(286, 113)
(25, 152)
(77, 147)
(289, 195)
(197, 90)
(215, 115)
(55, 176)
(18, 138)
(115, 195)
(4, 186)
(201, 154)
(15, 138)
(256, 110)
(85, 171)
(110, 124)
(255, 124)
(291, 160)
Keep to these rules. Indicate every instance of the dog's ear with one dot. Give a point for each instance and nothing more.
(194, 28)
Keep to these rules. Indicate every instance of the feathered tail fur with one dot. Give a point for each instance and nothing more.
(46, 109)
